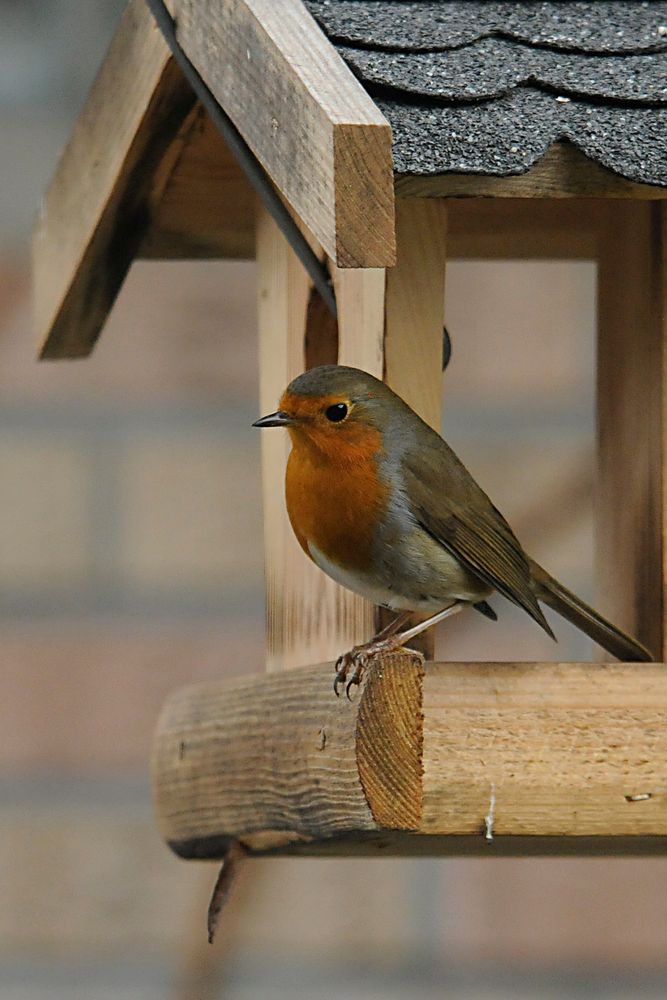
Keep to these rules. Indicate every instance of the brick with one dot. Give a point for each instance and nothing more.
(43, 498)
(93, 881)
(191, 512)
(178, 330)
(85, 696)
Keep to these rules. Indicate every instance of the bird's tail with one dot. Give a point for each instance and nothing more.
(580, 614)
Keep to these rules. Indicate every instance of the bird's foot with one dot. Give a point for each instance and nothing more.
(350, 667)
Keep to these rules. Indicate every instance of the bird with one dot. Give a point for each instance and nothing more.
(381, 503)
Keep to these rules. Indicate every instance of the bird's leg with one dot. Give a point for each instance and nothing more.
(420, 627)
(392, 628)
(389, 640)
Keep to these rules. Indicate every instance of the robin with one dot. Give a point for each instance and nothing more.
(382, 504)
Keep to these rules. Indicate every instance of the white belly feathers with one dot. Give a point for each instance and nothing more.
(368, 588)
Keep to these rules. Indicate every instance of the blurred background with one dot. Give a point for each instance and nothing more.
(131, 563)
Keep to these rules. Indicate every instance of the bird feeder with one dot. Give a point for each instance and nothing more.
(377, 140)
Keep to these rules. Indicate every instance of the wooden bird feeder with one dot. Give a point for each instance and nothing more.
(396, 144)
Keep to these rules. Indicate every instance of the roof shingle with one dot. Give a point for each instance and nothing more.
(427, 25)
(492, 66)
(486, 88)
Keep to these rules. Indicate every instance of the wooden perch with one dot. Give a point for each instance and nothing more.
(454, 758)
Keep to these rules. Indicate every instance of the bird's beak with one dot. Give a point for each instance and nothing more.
(278, 419)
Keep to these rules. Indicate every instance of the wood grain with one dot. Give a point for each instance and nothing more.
(563, 744)
(523, 228)
(308, 120)
(96, 211)
(576, 755)
(415, 307)
(206, 208)
(309, 617)
(631, 420)
(360, 297)
(280, 759)
(563, 172)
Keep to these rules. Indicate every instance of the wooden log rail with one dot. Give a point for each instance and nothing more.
(450, 758)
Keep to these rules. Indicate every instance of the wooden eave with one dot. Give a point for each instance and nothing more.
(146, 174)
(321, 139)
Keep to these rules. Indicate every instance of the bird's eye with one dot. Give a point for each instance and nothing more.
(336, 412)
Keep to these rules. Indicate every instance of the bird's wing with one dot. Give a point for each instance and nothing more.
(455, 511)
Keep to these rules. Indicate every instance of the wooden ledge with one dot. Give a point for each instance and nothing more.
(563, 172)
(495, 758)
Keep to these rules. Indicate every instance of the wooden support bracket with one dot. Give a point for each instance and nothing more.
(488, 758)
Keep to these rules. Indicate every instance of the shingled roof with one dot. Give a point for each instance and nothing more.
(486, 88)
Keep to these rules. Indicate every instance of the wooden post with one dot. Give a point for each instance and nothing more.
(631, 419)
(415, 307)
(414, 321)
(309, 617)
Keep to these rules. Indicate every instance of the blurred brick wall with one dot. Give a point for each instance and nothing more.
(130, 563)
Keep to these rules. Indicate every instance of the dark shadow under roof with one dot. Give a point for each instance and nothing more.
(486, 88)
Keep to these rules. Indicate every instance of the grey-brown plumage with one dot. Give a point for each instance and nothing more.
(440, 539)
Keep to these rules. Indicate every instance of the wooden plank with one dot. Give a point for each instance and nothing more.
(208, 773)
(96, 211)
(415, 307)
(562, 758)
(207, 207)
(207, 211)
(631, 420)
(309, 617)
(306, 117)
(414, 321)
(563, 172)
(563, 745)
(360, 296)
(523, 228)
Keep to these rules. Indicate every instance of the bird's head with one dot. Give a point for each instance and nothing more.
(338, 410)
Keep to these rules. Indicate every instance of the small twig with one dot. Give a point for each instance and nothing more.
(490, 816)
(226, 878)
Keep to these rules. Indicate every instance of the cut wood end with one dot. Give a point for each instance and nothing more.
(277, 760)
(390, 741)
(542, 757)
(364, 196)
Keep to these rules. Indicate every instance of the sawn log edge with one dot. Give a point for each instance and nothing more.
(448, 759)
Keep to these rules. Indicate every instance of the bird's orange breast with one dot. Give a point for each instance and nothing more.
(335, 495)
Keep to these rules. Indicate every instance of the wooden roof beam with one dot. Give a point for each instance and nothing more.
(96, 211)
(308, 120)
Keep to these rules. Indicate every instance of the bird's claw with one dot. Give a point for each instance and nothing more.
(359, 658)
(356, 661)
